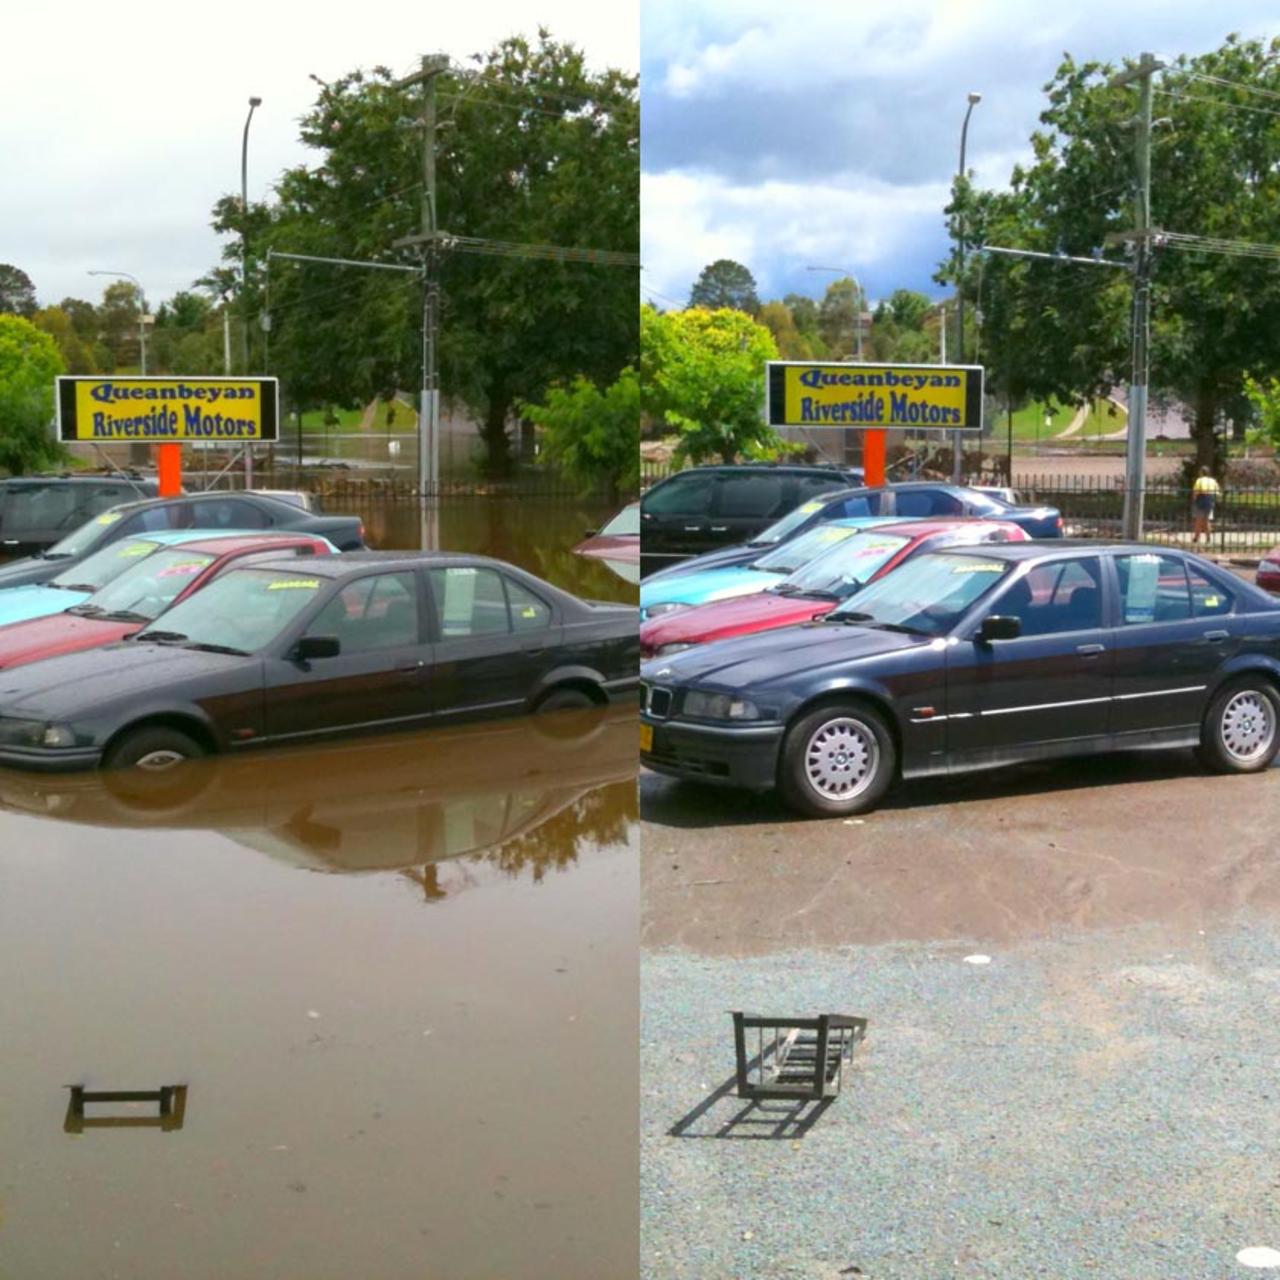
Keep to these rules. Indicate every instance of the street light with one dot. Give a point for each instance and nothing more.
(143, 318)
(957, 455)
(254, 103)
(857, 303)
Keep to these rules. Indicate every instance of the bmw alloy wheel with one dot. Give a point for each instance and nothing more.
(159, 761)
(1247, 727)
(840, 758)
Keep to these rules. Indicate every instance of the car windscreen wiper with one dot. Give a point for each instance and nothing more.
(90, 587)
(899, 626)
(160, 637)
(85, 610)
(216, 648)
(123, 615)
(850, 619)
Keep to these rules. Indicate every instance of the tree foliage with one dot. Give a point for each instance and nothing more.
(702, 372)
(777, 317)
(532, 148)
(29, 363)
(17, 293)
(1061, 331)
(839, 315)
(725, 283)
(593, 435)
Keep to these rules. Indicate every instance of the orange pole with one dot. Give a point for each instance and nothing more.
(169, 467)
(873, 456)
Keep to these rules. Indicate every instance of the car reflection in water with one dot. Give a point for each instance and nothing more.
(523, 796)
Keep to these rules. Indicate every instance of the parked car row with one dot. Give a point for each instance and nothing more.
(161, 630)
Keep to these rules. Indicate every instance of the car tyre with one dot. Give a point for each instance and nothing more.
(570, 699)
(838, 759)
(567, 714)
(1241, 730)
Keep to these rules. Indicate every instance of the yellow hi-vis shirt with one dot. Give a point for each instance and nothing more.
(1206, 484)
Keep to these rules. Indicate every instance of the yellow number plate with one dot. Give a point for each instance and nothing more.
(646, 737)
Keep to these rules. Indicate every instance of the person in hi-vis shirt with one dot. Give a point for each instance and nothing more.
(1204, 494)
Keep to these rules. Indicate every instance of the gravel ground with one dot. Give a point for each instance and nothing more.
(1096, 1105)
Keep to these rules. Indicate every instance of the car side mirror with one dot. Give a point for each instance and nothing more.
(310, 647)
(997, 626)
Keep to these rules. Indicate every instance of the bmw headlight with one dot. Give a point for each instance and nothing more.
(666, 650)
(34, 733)
(718, 706)
(669, 606)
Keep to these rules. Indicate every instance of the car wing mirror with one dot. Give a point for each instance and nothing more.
(310, 647)
(998, 626)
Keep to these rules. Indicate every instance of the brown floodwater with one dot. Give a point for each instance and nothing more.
(391, 983)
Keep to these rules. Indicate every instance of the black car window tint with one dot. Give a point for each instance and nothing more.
(39, 507)
(756, 497)
(682, 496)
(1064, 595)
(528, 612)
(913, 502)
(380, 612)
(1153, 588)
(1208, 599)
(469, 602)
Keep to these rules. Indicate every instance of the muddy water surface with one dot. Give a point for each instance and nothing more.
(397, 978)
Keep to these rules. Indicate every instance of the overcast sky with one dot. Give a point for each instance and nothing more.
(826, 132)
(122, 122)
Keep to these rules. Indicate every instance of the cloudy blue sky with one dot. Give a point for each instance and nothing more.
(122, 122)
(826, 132)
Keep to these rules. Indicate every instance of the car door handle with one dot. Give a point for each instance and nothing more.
(1214, 637)
(411, 666)
(719, 528)
(1090, 650)
(693, 528)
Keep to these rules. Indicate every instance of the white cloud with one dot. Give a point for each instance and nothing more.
(778, 228)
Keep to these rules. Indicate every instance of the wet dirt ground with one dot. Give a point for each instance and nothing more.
(396, 977)
(1072, 977)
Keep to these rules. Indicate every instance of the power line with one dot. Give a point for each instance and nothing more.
(1233, 84)
(1215, 102)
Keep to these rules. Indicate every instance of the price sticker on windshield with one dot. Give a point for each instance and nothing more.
(136, 549)
(108, 517)
(978, 568)
(187, 566)
(294, 584)
(809, 508)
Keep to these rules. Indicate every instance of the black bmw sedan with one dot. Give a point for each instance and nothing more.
(971, 659)
(365, 642)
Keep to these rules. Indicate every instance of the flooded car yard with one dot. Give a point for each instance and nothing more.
(378, 981)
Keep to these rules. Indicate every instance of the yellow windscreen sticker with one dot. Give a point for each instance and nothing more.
(810, 507)
(978, 568)
(528, 612)
(108, 517)
(294, 584)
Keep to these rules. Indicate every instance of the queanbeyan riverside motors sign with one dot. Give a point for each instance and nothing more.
(111, 410)
(908, 396)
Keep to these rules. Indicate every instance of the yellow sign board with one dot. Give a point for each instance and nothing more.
(911, 396)
(110, 410)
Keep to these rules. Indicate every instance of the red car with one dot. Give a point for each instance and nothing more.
(817, 587)
(1269, 571)
(143, 593)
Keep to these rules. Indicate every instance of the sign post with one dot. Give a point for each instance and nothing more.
(874, 398)
(168, 412)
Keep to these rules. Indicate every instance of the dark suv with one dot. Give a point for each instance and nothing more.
(705, 508)
(37, 511)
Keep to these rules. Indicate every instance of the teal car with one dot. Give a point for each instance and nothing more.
(76, 584)
(686, 590)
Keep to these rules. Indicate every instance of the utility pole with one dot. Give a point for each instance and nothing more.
(429, 408)
(957, 439)
(1136, 442)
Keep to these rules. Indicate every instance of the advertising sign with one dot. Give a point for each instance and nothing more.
(137, 410)
(940, 397)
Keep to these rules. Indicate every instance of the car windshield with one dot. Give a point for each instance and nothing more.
(928, 594)
(846, 567)
(626, 521)
(784, 528)
(244, 610)
(789, 557)
(78, 542)
(95, 571)
(146, 589)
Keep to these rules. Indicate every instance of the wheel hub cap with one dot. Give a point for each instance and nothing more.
(840, 758)
(158, 761)
(1248, 726)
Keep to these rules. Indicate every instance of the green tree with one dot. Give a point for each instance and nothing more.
(725, 283)
(29, 363)
(17, 293)
(840, 313)
(593, 436)
(1061, 331)
(702, 372)
(533, 148)
(804, 313)
(777, 317)
(1265, 398)
(118, 317)
(77, 354)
